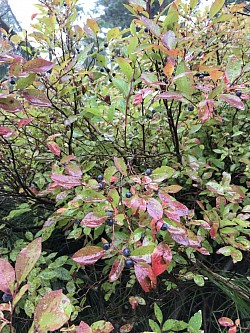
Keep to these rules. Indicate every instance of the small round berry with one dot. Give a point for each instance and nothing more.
(110, 80)
(128, 195)
(113, 74)
(106, 246)
(201, 76)
(101, 186)
(108, 70)
(153, 111)
(148, 116)
(100, 178)
(102, 70)
(146, 30)
(151, 69)
(106, 44)
(238, 93)
(6, 297)
(190, 108)
(164, 227)
(126, 252)
(110, 221)
(148, 172)
(12, 81)
(129, 263)
(77, 221)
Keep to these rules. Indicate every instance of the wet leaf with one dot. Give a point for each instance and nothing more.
(169, 39)
(116, 269)
(7, 277)
(161, 258)
(233, 69)
(84, 328)
(54, 148)
(152, 26)
(74, 170)
(102, 326)
(145, 276)
(91, 220)
(195, 322)
(27, 258)
(5, 130)
(88, 255)
(38, 65)
(65, 181)
(10, 104)
(125, 67)
(52, 311)
(205, 110)
(171, 95)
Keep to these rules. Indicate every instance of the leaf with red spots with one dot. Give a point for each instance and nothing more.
(10, 104)
(145, 276)
(52, 311)
(88, 255)
(54, 148)
(7, 276)
(27, 258)
(36, 97)
(154, 208)
(91, 220)
(116, 269)
(38, 65)
(161, 258)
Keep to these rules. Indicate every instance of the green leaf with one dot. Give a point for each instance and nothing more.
(195, 322)
(24, 82)
(193, 3)
(216, 6)
(175, 325)
(121, 85)
(154, 326)
(89, 195)
(120, 165)
(109, 172)
(233, 69)
(162, 173)
(125, 67)
(184, 84)
(143, 250)
(158, 313)
(113, 33)
(199, 280)
(102, 60)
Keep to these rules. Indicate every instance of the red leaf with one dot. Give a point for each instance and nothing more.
(137, 99)
(154, 208)
(7, 276)
(171, 95)
(73, 170)
(84, 328)
(93, 221)
(24, 122)
(205, 109)
(145, 276)
(88, 255)
(161, 258)
(232, 100)
(226, 322)
(116, 269)
(5, 130)
(36, 97)
(232, 329)
(38, 65)
(54, 148)
(65, 181)
(10, 104)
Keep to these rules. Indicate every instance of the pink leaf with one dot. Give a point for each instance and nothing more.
(137, 99)
(205, 109)
(36, 97)
(84, 328)
(145, 276)
(226, 322)
(161, 258)
(152, 26)
(171, 95)
(93, 221)
(116, 269)
(73, 170)
(5, 130)
(38, 65)
(169, 40)
(7, 277)
(54, 148)
(232, 329)
(233, 101)
(27, 258)
(154, 208)
(65, 181)
(88, 255)
(24, 122)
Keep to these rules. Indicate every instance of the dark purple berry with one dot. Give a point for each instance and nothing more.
(100, 178)
(126, 252)
(148, 172)
(109, 213)
(201, 76)
(129, 263)
(113, 74)
(190, 108)
(164, 227)
(101, 186)
(6, 297)
(108, 70)
(106, 44)
(128, 195)
(238, 93)
(153, 111)
(110, 221)
(12, 81)
(102, 70)
(106, 246)
(148, 116)
(146, 30)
